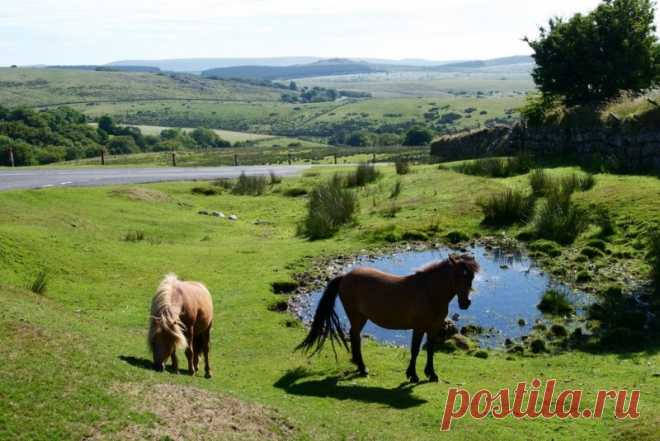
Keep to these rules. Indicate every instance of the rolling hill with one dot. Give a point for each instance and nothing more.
(322, 68)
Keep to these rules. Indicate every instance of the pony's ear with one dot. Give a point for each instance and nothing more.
(452, 259)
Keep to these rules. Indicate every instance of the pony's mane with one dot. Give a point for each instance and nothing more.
(466, 259)
(165, 313)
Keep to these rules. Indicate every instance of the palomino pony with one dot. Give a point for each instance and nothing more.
(419, 302)
(181, 316)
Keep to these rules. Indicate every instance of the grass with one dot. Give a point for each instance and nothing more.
(559, 218)
(40, 283)
(250, 185)
(653, 257)
(402, 166)
(495, 167)
(507, 208)
(364, 174)
(555, 302)
(330, 206)
(70, 354)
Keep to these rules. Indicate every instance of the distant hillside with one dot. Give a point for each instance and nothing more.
(321, 68)
(483, 64)
(149, 69)
(45, 87)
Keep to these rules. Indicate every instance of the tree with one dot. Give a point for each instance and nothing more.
(418, 136)
(107, 124)
(593, 57)
(122, 145)
(293, 85)
(205, 137)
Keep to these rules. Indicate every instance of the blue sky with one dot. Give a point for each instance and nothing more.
(97, 32)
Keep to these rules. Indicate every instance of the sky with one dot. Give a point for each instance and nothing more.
(98, 32)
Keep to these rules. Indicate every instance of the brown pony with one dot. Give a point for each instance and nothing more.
(419, 302)
(181, 316)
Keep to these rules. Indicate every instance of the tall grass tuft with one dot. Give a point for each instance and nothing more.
(506, 208)
(363, 175)
(396, 190)
(250, 185)
(40, 283)
(330, 206)
(402, 165)
(539, 181)
(558, 218)
(555, 302)
(134, 236)
(496, 167)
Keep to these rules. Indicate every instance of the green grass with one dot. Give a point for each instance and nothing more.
(62, 376)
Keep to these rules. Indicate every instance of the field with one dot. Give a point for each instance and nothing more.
(76, 364)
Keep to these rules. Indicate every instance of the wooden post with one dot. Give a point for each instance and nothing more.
(102, 157)
(173, 159)
(235, 160)
(11, 156)
(289, 155)
(373, 157)
(335, 155)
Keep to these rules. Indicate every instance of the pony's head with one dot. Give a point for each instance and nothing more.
(161, 342)
(463, 268)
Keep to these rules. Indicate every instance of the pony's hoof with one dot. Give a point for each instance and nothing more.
(433, 378)
(207, 375)
(413, 378)
(363, 372)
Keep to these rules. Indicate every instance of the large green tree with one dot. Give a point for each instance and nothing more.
(593, 57)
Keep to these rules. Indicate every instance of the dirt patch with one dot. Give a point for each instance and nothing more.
(142, 194)
(188, 413)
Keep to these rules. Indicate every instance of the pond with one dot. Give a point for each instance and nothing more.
(507, 291)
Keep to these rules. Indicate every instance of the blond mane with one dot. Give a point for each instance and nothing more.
(165, 312)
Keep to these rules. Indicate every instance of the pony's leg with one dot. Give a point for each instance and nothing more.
(357, 323)
(411, 372)
(429, 370)
(205, 349)
(175, 362)
(197, 348)
(190, 352)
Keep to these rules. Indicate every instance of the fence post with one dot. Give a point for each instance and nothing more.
(235, 160)
(173, 159)
(335, 155)
(11, 156)
(289, 156)
(102, 157)
(373, 157)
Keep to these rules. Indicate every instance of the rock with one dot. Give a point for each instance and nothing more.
(508, 342)
(203, 212)
(461, 342)
(232, 217)
(217, 214)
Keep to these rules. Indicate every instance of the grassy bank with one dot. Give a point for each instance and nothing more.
(73, 355)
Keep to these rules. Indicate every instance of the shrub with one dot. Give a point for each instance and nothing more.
(548, 247)
(402, 166)
(40, 283)
(591, 252)
(602, 218)
(559, 219)
(250, 185)
(330, 206)
(414, 235)
(583, 277)
(134, 236)
(274, 179)
(506, 208)
(555, 302)
(206, 191)
(537, 346)
(363, 175)
(457, 236)
(653, 257)
(295, 192)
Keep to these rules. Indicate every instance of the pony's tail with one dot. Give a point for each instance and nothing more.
(326, 322)
(165, 313)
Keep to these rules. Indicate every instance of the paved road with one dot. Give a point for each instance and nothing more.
(61, 177)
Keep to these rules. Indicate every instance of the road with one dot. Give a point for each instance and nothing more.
(12, 179)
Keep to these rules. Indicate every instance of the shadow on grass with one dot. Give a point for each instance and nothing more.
(147, 364)
(399, 398)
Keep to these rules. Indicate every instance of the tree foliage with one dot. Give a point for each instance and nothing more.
(418, 136)
(593, 57)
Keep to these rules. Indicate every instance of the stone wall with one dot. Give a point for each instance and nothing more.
(624, 148)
